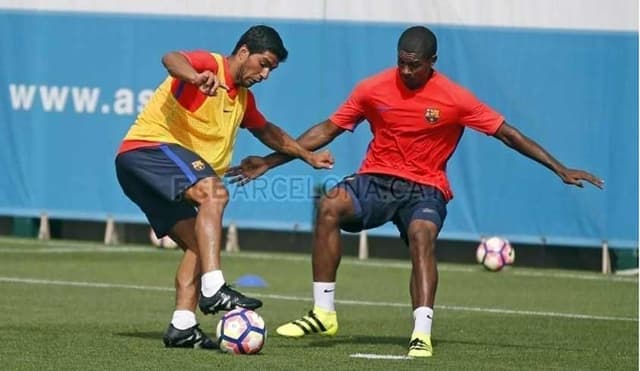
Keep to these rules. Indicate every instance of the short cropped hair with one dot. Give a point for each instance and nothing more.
(261, 38)
(419, 40)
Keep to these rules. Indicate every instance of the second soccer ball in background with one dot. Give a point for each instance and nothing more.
(494, 253)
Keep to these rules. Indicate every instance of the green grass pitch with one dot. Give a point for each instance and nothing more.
(81, 306)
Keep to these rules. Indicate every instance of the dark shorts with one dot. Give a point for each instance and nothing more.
(378, 199)
(156, 178)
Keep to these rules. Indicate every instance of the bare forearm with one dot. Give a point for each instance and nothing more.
(279, 141)
(533, 150)
(179, 67)
(516, 140)
(314, 138)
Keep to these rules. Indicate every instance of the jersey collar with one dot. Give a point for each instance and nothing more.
(228, 79)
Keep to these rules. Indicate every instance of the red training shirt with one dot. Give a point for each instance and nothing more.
(415, 132)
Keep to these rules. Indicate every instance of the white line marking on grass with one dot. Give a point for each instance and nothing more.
(81, 247)
(37, 281)
(103, 285)
(377, 356)
(67, 250)
(535, 313)
(593, 277)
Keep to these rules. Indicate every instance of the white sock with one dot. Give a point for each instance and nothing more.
(324, 294)
(183, 319)
(422, 317)
(212, 282)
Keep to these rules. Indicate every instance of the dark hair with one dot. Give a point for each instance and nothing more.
(261, 38)
(419, 40)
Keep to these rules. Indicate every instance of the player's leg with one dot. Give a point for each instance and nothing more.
(352, 205)
(211, 197)
(424, 271)
(157, 180)
(420, 221)
(327, 252)
(183, 331)
(333, 208)
(187, 281)
(423, 284)
(136, 170)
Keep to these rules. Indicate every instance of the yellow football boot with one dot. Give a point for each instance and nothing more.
(420, 345)
(318, 321)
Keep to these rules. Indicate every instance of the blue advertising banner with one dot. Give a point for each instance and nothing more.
(72, 83)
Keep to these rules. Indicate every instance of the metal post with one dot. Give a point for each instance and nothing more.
(363, 246)
(44, 232)
(232, 239)
(606, 260)
(110, 232)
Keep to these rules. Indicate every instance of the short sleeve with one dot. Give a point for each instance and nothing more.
(201, 60)
(252, 119)
(351, 112)
(477, 115)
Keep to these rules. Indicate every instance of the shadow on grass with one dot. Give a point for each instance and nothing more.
(146, 335)
(326, 342)
(504, 345)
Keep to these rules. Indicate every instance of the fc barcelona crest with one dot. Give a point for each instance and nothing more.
(432, 115)
(198, 165)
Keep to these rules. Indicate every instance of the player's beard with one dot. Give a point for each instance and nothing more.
(243, 81)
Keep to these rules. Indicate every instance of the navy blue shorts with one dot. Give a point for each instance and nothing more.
(155, 179)
(379, 198)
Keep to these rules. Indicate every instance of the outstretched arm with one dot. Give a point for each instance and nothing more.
(315, 138)
(518, 141)
(252, 167)
(277, 139)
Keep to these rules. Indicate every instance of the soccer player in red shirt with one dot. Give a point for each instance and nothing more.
(417, 117)
(173, 156)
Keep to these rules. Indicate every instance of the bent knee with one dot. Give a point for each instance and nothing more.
(332, 208)
(208, 191)
(422, 234)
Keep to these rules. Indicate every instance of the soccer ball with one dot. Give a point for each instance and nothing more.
(164, 243)
(494, 253)
(241, 331)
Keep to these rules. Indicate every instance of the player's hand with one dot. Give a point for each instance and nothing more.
(575, 177)
(208, 83)
(250, 168)
(321, 160)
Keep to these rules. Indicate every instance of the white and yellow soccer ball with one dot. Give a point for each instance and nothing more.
(494, 253)
(241, 331)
